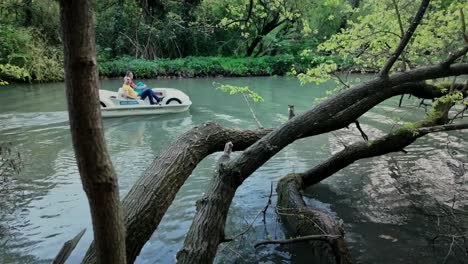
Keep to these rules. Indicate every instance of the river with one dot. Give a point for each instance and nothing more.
(386, 203)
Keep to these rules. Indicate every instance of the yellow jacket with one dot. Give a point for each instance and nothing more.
(129, 90)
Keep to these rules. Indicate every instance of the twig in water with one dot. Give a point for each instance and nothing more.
(268, 204)
(264, 209)
(450, 249)
(324, 238)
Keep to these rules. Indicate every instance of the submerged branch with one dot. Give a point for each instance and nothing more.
(324, 238)
(67, 248)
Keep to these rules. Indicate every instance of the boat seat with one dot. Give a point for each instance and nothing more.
(120, 94)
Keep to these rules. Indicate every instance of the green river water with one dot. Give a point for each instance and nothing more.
(384, 202)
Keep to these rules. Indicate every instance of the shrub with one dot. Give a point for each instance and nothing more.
(29, 52)
(210, 66)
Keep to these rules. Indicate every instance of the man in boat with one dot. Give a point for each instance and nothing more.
(129, 92)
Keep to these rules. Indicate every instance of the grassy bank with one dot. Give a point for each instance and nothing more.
(209, 66)
(185, 67)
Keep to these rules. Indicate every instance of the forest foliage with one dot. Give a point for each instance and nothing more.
(191, 38)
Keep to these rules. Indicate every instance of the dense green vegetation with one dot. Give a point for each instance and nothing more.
(212, 66)
(238, 38)
(143, 35)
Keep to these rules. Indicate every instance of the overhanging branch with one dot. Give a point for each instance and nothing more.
(334, 113)
(406, 38)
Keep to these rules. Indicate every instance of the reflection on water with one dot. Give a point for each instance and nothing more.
(383, 201)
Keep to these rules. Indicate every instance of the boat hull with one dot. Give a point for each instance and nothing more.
(137, 111)
(113, 104)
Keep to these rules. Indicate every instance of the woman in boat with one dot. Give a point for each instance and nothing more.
(140, 89)
(132, 94)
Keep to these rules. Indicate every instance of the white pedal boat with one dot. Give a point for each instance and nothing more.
(114, 104)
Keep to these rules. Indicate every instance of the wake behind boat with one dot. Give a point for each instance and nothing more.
(115, 104)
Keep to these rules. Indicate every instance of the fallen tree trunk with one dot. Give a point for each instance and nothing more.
(150, 197)
(333, 114)
(303, 220)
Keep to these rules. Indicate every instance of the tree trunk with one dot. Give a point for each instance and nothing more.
(265, 31)
(94, 164)
(154, 192)
(253, 45)
(302, 220)
(27, 13)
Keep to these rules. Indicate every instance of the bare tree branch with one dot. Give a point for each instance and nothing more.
(324, 238)
(358, 126)
(67, 248)
(453, 56)
(404, 41)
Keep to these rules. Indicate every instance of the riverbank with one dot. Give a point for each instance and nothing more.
(191, 67)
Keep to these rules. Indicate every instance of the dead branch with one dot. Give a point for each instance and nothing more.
(401, 100)
(460, 113)
(263, 211)
(67, 248)
(364, 136)
(265, 208)
(324, 238)
(454, 56)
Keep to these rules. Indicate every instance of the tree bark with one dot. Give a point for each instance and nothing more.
(405, 38)
(27, 13)
(67, 248)
(291, 207)
(334, 113)
(303, 220)
(153, 193)
(94, 164)
(265, 30)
